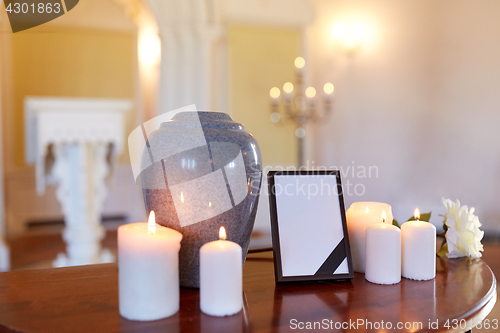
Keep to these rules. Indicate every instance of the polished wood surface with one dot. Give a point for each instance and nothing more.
(85, 299)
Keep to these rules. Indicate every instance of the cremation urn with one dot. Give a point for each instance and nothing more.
(201, 171)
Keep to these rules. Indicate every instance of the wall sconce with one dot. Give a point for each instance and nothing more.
(350, 39)
(149, 48)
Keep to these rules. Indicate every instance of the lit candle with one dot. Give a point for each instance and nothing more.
(221, 280)
(299, 64)
(359, 216)
(274, 94)
(328, 88)
(310, 94)
(148, 270)
(418, 240)
(288, 91)
(383, 253)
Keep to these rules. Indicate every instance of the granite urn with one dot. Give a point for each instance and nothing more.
(201, 171)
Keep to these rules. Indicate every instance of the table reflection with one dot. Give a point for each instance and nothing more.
(418, 297)
(237, 323)
(319, 303)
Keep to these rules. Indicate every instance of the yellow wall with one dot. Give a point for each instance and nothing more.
(65, 62)
(76, 62)
(262, 58)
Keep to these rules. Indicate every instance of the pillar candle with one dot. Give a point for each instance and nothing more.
(221, 277)
(359, 216)
(148, 270)
(418, 241)
(383, 254)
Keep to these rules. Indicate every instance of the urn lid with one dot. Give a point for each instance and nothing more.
(206, 119)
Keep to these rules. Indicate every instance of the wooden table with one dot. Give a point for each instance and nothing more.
(85, 299)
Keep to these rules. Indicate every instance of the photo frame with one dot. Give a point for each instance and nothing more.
(308, 225)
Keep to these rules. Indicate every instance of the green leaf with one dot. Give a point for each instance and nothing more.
(443, 249)
(395, 223)
(424, 217)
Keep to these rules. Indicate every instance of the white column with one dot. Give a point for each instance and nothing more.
(189, 32)
(80, 172)
(169, 91)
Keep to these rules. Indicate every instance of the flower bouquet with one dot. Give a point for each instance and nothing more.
(462, 236)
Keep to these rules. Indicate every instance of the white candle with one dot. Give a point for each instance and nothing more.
(359, 216)
(418, 241)
(383, 253)
(221, 280)
(148, 270)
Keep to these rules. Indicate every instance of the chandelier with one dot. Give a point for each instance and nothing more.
(298, 106)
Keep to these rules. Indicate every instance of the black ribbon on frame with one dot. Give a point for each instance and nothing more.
(334, 259)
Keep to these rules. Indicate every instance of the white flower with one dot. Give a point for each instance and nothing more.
(463, 236)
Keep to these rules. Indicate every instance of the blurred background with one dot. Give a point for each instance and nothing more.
(413, 117)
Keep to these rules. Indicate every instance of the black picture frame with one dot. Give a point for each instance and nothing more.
(285, 211)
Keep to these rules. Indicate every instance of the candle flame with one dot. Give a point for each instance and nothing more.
(275, 92)
(222, 233)
(367, 210)
(383, 216)
(152, 222)
(182, 197)
(299, 62)
(210, 204)
(310, 92)
(328, 88)
(417, 214)
(288, 87)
